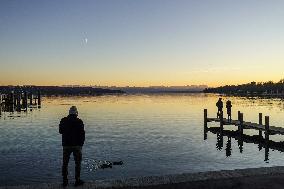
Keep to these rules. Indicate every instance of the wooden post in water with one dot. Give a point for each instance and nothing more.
(11, 101)
(31, 99)
(205, 118)
(241, 127)
(260, 123)
(205, 124)
(19, 102)
(15, 99)
(266, 128)
(239, 120)
(221, 120)
(239, 115)
(39, 103)
(266, 138)
(25, 100)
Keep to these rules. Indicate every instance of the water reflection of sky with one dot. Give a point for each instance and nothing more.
(151, 134)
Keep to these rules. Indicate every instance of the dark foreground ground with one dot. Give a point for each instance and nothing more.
(272, 178)
(256, 182)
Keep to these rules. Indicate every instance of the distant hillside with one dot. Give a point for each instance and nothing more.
(163, 89)
(253, 88)
(58, 90)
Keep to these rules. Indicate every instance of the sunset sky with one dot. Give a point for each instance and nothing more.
(141, 42)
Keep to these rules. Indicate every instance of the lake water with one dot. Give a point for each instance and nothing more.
(151, 134)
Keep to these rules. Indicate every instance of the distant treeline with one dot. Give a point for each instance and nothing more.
(253, 88)
(58, 90)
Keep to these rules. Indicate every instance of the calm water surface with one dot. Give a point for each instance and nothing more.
(151, 134)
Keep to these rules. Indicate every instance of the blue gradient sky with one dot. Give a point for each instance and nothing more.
(141, 42)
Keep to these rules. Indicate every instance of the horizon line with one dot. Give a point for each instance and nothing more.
(109, 86)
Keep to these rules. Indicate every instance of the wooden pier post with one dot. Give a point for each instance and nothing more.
(11, 98)
(39, 103)
(25, 100)
(221, 120)
(260, 123)
(241, 127)
(239, 115)
(31, 99)
(266, 138)
(266, 128)
(205, 118)
(19, 102)
(11, 102)
(15, 99)
(205, 124)
(259, 131)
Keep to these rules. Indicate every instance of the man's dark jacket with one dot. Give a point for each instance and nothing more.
(72, 130)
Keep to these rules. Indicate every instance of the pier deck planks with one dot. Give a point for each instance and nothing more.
(249, 125)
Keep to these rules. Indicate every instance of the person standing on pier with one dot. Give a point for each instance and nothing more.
(73, 137)
(219, 105)
(229, 110)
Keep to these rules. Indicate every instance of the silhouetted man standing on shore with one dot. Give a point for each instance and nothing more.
(73, 138)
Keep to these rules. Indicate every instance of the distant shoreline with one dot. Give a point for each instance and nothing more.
(248, 95)
(58, 91)
(253, 89)
(95, 91)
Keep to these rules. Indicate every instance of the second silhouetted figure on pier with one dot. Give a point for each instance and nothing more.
(229, 110)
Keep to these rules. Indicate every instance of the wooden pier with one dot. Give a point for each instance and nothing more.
(19, 101)
(241, 124)
(262, 141)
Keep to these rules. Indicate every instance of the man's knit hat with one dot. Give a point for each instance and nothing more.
(73, 110)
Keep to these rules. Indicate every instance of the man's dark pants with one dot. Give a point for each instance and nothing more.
(77, 154)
